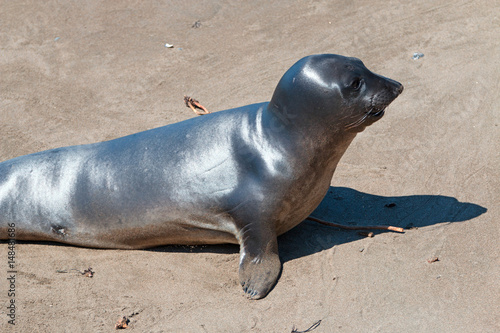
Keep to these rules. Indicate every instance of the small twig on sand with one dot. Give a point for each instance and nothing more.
(88, 272)
(313, 326)
(371, 227)
(195, 106)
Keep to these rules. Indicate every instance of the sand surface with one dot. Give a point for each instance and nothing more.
(75, 72)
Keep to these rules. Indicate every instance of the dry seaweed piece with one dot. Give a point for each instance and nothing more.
(195, 106)
(371, 227)
(88, 272)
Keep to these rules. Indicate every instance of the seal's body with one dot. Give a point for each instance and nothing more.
(241, 176)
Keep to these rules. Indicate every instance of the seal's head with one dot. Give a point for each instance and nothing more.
(335, 91)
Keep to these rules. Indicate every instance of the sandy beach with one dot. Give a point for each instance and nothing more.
(83, 72)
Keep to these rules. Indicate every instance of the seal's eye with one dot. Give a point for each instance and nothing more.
(356, 83)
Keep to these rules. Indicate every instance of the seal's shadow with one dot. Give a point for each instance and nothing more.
(350, 207)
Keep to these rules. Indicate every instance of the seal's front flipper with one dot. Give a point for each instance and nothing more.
(260, 265)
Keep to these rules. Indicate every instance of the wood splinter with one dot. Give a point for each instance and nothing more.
(122, 323)
(195, 106)
(348, 227)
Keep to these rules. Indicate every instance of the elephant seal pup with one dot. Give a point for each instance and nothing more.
(242, 176)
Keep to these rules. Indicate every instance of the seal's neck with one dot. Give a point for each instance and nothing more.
(313, 140)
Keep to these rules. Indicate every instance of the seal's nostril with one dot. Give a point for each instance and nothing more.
(396, 87)
(400, 88)
(393, 85)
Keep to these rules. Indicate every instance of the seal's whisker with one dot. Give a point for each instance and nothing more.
(357, 122)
